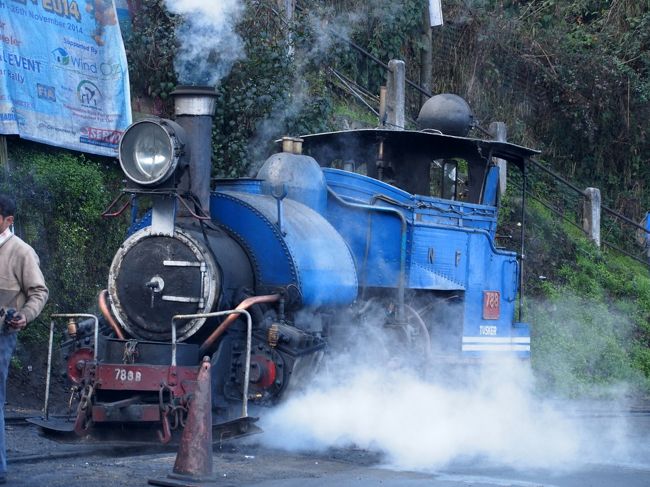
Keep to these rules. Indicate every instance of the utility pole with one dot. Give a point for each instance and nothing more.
(289, 6)
(431, 17)
(426, 54)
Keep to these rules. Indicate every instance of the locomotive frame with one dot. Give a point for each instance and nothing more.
(335, 227)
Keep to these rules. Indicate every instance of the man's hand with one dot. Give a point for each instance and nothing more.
(19, 322)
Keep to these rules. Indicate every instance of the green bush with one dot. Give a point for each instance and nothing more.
(60, 197)
(591, 325)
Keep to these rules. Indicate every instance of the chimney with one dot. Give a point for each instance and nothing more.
(193, 108)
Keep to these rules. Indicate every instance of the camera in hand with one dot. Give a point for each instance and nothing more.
(6, 316)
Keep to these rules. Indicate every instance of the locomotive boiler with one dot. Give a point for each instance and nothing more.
(337, 232)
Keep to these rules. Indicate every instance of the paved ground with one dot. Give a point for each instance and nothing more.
(36, 461)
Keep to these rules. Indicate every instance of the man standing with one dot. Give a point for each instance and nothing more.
(22, 288)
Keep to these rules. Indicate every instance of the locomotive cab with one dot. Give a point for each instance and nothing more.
(411, 161)
(424, 238)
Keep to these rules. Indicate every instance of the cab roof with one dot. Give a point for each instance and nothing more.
(438, 144)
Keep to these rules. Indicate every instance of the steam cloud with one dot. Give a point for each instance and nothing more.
(328, 30)
(209, 45)
(368, 399)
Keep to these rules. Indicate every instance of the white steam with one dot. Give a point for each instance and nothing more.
(328, 31)
(209, 45)
(369, 399)
(422, 424)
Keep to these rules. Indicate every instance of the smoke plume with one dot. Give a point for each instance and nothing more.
(208, 43)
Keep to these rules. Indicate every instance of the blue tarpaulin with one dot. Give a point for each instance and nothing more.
(63, 73)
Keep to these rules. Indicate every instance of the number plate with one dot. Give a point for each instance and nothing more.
(491, 305)
(142, 377)
(124, 375)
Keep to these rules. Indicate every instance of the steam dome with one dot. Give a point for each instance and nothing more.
(448, 113)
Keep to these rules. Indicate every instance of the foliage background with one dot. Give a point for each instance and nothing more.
(60, 197)
(568, 77)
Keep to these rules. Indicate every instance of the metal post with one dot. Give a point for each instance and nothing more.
(647, 234)
(289, 6)
(396, 86)
(4, 154)
(591, 215)
(522, 257)
(46, 406)
(499, 132)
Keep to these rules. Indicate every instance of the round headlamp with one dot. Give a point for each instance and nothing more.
(150, 151)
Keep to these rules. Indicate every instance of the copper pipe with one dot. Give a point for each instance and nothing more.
(187, 207)
(245, 304)
(103, 307)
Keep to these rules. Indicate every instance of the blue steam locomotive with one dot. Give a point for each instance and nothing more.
(393, 229)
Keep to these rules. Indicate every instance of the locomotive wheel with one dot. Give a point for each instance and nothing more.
(407, 341)
(412, 338)
(76, 362)
(419, 339)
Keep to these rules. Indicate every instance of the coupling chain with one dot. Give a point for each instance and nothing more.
(176, 411)
(130, 352)
(86, 396)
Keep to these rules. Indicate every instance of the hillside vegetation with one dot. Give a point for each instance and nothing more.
(568, 77)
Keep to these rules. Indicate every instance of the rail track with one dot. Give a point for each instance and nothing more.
(91, 450)
(69, 445)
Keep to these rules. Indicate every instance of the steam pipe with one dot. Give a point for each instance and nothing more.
(244, 305)
(106, 313)
(402, 256)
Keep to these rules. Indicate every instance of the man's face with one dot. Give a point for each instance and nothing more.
(5, 222)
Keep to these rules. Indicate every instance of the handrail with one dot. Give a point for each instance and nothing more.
(558, 177)
(533, 162)
(625, 252)
(582, 193)
(249, 335)
(624, 218)
(604, 208)
(50, 346)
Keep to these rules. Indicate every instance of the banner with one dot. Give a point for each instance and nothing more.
(64, 78)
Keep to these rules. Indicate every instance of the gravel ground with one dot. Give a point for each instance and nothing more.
(39, 461)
